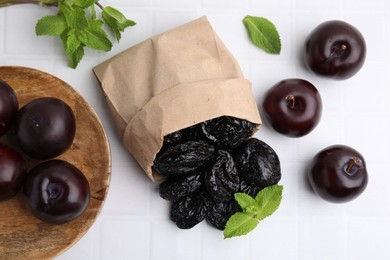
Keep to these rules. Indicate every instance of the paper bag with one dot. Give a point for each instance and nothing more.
(172, 81)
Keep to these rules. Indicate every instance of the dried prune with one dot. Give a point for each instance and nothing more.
(222, 180)
(258, 163)
(192, 133)
(183, 158)
(249, 189)
(174, 189)
(220, 213)
(227, 131)
(190, 210)
(173, 138)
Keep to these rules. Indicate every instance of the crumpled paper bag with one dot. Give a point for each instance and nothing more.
(172, 81)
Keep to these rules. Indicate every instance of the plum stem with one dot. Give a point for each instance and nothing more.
(290, 100)
(338, 50)
(352, 162)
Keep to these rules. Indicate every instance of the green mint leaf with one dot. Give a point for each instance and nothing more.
(84, 3)
(76, 17)
(116, 21)
(246, 202)
(95, 37)
(75, 57)
(268, 200)
(48, 2)
(53, 25)
(263, 34)
(93, 12)
(239, 224)
(74, 49)
(72, 43)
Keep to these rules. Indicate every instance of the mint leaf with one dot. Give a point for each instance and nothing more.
(72, 43)
(48, 2)
(245, 201)
(53, 25)
(84, 3)
(239, 224)
(74, 49)
(76, 17)
(268, 200)
(95, 37)
(263, 34)
(75, 57)
(116, 21)
(77, 25)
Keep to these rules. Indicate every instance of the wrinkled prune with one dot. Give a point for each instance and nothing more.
(222, 180)
(173, 138)
(174, 189)
(190, 210)
(220, 213)
(183, 158)
(258, 163)
(249, 189)
(192, 133)
(227, 131)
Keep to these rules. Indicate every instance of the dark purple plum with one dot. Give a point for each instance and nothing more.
(45, 128)
(12, 172)
(338, 173)
(335, 49)
(56, 191)
(9, 106)
(293, 107)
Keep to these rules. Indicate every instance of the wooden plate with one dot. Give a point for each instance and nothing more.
(22, 236)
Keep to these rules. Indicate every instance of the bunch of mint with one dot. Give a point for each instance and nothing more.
(77, 25)
(265, 203)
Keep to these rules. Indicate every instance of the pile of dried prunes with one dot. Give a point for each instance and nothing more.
(207, 163)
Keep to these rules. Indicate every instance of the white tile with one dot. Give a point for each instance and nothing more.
(176, 3)
(167, 20)
(283, 5)
(282, 244)
(310, 204)
(318, 5)
(40, 64)
(328, 132)
(232, 248)
(169, 242)
(119, 4)
(375, 199)
(235, 38)
(224, 3)
(369, 135)
(128, 193)
(364, 6)
(363, 92)
(322, 238)
(290, 177)
(377, 40)
(368, 238)
(124, 238)
(20, 38)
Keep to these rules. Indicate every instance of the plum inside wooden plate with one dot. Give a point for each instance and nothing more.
(22, 235)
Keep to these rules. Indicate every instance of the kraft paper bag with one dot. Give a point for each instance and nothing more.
(172, 81)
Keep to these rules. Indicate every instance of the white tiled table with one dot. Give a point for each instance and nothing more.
(134, 222)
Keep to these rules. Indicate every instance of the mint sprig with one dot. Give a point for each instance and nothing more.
(263, 34)
(77, 25)
(265, 203)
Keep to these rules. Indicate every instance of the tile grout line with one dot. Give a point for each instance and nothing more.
(296, 206)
